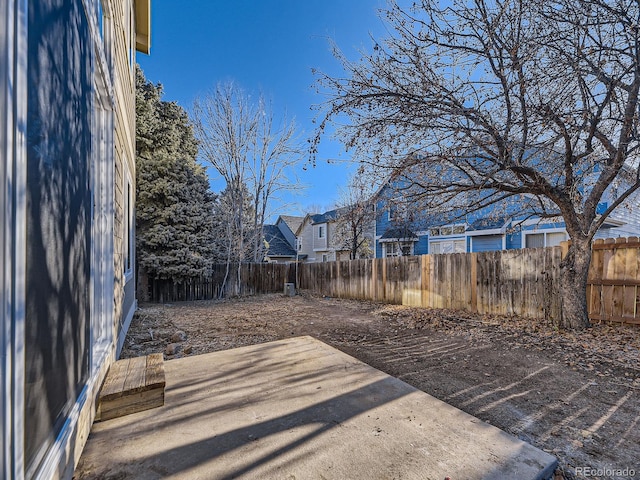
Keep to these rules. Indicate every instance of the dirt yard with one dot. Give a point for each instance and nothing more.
(575, 395)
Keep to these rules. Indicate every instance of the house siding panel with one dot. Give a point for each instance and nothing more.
(320, 244)
(422, 245)
(514, 240)
(306, 239)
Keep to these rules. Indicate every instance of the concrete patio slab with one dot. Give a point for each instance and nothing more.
(299, 409)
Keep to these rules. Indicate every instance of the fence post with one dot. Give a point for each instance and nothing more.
(425, 280)
(474, 282)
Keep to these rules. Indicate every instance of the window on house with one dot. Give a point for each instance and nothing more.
(400, 212)
(325, 257)
(544, 239)
(447, 230)
(534, 240)
(395, 249)
(321, 231)
(448, 246)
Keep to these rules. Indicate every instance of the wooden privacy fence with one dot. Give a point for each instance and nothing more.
(520, 282)
(254, 278)
(613, 291)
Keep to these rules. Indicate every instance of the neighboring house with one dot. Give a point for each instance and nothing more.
(277, 248)
(281, 241)
(409, 231)
(67, 193)
(289, 226)
(321, 236)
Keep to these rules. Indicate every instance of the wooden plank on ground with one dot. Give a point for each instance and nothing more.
(113, 385)
(154, 373)
(134, 381)
(132, 385)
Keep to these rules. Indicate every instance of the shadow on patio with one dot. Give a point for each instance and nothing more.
(297, 409)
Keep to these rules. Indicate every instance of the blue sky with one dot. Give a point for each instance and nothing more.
(267, 46)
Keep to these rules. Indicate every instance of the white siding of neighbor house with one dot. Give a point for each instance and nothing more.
(628, 212)
(306, 238)
(320, 244)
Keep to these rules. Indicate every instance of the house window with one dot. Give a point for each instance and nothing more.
(448, 246)
(447, 230)
(395, 249)
(401, 212)
(321, 231)
(534, 240)
(544, 239)
(325, 257)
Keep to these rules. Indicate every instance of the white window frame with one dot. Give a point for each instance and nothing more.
(102, 251)
(454, 243)
(321, 231)
(394, 249)
(544, 232)
(436, 232)
(488, 233)
(13, 149)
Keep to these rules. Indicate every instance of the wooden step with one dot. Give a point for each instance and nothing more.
(132, 385)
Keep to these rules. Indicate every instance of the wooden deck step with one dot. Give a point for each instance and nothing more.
(132, 385)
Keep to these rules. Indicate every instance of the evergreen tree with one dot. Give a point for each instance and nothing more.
(174, 204)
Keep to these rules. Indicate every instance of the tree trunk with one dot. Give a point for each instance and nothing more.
(574, 270)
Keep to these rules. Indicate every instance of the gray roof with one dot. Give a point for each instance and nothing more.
(325, 217)
(488, 223)
(394, 234)
(278, 245)
(292, 222)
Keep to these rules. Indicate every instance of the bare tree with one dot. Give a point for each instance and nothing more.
(486, 100)
(226, 125)
(355, 220)
(278, 152)
(255, 158)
